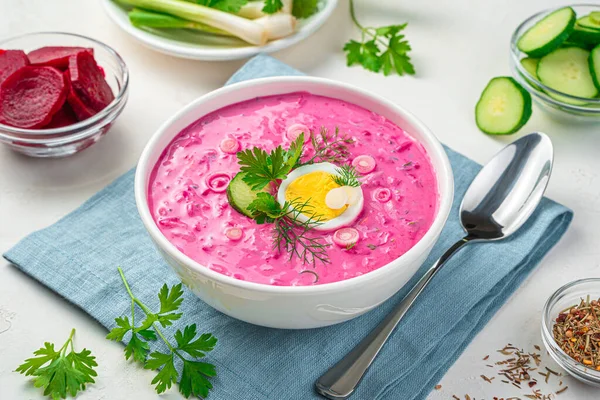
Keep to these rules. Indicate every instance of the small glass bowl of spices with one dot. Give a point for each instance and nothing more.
(571, 329)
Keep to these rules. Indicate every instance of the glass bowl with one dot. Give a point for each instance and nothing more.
(557, 103)
(564, 298)
(68, 140)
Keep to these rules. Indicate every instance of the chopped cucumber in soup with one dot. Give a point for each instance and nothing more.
(504, 107)
(548, 33)
(530, 65)
(587, 22)
(240, 195)
(595, 66)
(567, 70)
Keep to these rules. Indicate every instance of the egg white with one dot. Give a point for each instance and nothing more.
(344, 219)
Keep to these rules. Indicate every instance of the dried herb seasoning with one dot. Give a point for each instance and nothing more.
(577, 332)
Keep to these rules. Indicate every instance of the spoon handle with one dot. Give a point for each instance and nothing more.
(340, 380)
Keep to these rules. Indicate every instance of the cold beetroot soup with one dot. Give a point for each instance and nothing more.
(293, 189)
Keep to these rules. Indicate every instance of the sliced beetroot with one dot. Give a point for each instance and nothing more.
(30, 96)
(81, 110)
(10, 61)
(63, 117)
(56, 56)
(88, 83)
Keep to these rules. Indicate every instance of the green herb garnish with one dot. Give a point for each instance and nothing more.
(305, 8)
(60, 372)
(262, 168)
(380, 49)
(272, 6)
(346, 176)
(306, 271)
(194, 374)
(231, 6)
(329, 147)
(289, 232)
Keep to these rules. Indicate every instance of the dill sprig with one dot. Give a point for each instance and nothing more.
(290, 234)
(346, 176)
(329, 147)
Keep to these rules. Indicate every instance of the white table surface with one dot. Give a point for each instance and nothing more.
(457, 45)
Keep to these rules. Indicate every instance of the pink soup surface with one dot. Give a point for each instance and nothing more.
(195, 218)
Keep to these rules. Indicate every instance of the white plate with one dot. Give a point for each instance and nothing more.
(211, 48)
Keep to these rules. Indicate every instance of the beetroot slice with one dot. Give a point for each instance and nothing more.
(30, 96)
(81, 110)
(10, 61)
(63, 117)
(56, 56)
(88, 82)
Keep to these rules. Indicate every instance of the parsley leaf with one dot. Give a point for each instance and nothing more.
(193, 378)
(385, 51)
(265, 208)
(137, 348)
(230, 6)
(167, 375)
(123, 326)
(305, 8)
(195, 348)
(262, 168)
(65, 373)
(272, 6)
(194, 374)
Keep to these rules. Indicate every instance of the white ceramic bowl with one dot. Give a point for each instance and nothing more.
(294, 307)
(213, 49)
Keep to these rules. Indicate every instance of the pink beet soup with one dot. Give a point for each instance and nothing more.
(189, 204)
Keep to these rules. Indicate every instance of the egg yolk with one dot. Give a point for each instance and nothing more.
(312, 188)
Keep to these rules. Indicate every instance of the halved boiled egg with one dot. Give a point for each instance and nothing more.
(335, 206)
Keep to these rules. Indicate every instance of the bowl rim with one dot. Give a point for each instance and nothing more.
(531, 80)
(38, 135)
(572, 366)
(218, 53)
(444, 177)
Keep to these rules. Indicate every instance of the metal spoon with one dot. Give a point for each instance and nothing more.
(501, 198)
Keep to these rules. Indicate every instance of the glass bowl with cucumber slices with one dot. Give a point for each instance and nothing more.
(555, 56)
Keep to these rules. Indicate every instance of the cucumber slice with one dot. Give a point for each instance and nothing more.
(595, 66)
(240, 195)
(530, 65)
(595, 17)
(567, 70)
(584, 37)
(587, 22)
(548, 33)
(504, 107)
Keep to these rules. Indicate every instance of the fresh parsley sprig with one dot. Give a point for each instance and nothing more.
(193, 380)
(262, 168)
(382, 49)
(346, 176)
(290, 234)
(60, 372)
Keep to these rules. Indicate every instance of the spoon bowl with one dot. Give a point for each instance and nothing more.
(497, 203)
(508, 189)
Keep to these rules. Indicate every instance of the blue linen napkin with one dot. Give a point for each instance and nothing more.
(77, 258)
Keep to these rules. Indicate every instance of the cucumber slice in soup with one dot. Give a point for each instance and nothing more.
(567, 70)
(587, 22)
(548, 33)
(595, 66)
(530, 65)
(240, 195)
(504, 107)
